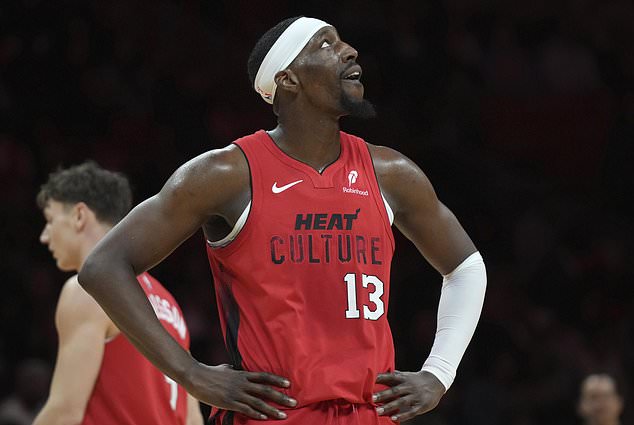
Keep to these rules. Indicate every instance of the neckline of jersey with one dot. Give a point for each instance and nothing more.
(302, 166)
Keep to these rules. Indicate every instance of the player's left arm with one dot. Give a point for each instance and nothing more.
(438, 235)
(82, 327)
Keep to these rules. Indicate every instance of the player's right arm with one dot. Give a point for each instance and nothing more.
(210, 185)
(82, 327)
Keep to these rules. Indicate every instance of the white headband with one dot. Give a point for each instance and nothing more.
(283, 52)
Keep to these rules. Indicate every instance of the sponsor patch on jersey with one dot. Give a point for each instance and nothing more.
(353, 177)
(355, 191)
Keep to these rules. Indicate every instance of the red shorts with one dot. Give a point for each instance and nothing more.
(331, 412)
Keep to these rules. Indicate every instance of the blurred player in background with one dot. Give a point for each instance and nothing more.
(99, 377)
(600, 402)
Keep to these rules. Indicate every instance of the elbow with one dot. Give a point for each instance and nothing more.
(89, 273)
(102, 267)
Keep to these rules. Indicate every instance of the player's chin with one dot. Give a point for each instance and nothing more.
(65, 266)
(353, 89)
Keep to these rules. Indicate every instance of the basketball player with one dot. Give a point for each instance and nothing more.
(99, 377)
(600, 402)
(298, 222)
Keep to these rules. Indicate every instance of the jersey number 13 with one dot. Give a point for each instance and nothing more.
(374, 297)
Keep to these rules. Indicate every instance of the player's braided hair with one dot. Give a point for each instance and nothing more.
(106, 193)
(263, 46)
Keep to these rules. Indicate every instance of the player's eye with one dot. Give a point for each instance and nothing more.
(325, 44)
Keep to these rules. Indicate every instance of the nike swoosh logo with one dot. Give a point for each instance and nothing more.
(281, 189)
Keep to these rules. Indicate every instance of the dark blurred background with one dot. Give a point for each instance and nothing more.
(521, 113)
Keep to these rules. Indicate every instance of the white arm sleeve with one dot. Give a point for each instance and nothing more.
(461, 301)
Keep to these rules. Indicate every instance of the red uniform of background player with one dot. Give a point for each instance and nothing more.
(129, 389)
(100, 377)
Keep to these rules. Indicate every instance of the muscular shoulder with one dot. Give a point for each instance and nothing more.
(76, 307)
(227, 166)
(214, 179)
(73, 297)
(399, 177)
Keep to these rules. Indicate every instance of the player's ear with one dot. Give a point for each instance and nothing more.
(287, 80)
(81, 215)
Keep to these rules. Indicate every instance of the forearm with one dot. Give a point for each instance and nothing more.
(461, 301)
(113, 284)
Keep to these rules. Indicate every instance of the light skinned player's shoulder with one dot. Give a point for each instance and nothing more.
(72, 293)
(76, 306)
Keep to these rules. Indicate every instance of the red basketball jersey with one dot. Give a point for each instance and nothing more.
(129, 389)
(303, 289)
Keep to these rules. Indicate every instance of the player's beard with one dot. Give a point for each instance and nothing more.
(363, 108)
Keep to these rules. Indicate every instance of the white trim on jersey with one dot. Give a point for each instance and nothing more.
(243, 219)
(234, 232)
(390, 213)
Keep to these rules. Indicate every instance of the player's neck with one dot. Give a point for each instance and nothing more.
(314, 142)
(92, 236)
